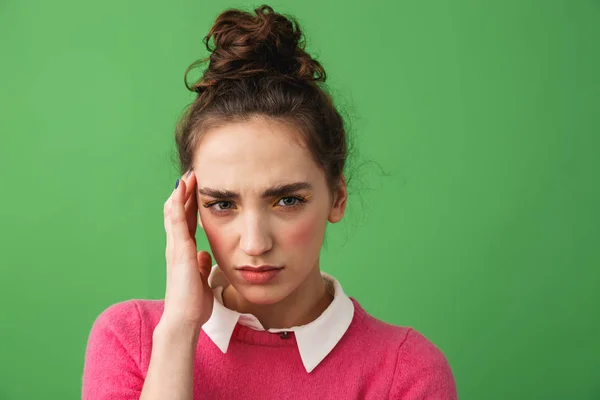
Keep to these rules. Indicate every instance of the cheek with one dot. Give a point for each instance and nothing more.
(307, 231)
(216, 239)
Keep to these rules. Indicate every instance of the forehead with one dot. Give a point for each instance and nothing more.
(253, 154)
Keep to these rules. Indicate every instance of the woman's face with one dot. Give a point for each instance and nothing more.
(262, 200)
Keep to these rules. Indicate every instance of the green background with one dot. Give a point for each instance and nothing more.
(481, 229)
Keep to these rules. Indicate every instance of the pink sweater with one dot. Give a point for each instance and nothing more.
(373, 361)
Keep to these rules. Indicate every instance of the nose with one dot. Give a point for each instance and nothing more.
(255, 238)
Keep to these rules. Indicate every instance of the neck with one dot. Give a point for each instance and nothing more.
(301, 307)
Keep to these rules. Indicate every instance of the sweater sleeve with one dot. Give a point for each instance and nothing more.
(112, 359)
(422, 371)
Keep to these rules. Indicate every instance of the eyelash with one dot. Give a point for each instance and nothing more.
(300, 200)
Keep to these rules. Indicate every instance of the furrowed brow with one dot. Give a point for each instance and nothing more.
(275, 191)
(281, 190)
(219, 194)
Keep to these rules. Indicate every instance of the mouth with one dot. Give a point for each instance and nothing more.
(259, 275)
(261, 268)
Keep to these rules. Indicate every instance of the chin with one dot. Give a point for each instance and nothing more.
(263, 294)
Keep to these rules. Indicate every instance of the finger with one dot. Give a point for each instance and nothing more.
(204, 263)
(191, 204)
(167, 223)
(179, 227)
(191, 212)
(190, 182)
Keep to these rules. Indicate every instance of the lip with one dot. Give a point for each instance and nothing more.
(260, 268)
(259, 275)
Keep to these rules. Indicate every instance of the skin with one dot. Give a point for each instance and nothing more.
(247, 158)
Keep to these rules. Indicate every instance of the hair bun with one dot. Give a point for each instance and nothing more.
(266, 42)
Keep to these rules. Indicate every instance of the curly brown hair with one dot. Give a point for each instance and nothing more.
(258, 67)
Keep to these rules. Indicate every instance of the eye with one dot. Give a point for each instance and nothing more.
(220, 205)
(290, 201)
(225, 205)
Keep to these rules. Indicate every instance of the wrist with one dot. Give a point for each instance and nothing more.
(171, 330)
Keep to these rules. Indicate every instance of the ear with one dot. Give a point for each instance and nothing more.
(340, 195)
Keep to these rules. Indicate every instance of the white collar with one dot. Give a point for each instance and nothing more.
(315, 340)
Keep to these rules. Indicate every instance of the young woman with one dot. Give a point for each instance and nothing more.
(262, 152)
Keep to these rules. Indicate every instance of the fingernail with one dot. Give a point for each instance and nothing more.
(189, 173)
(176, 183)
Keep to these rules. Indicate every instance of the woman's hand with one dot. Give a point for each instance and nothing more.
(188, 298)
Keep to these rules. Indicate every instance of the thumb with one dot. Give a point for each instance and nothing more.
(204, 263)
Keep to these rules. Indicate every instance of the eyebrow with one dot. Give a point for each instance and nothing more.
(275, 191)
